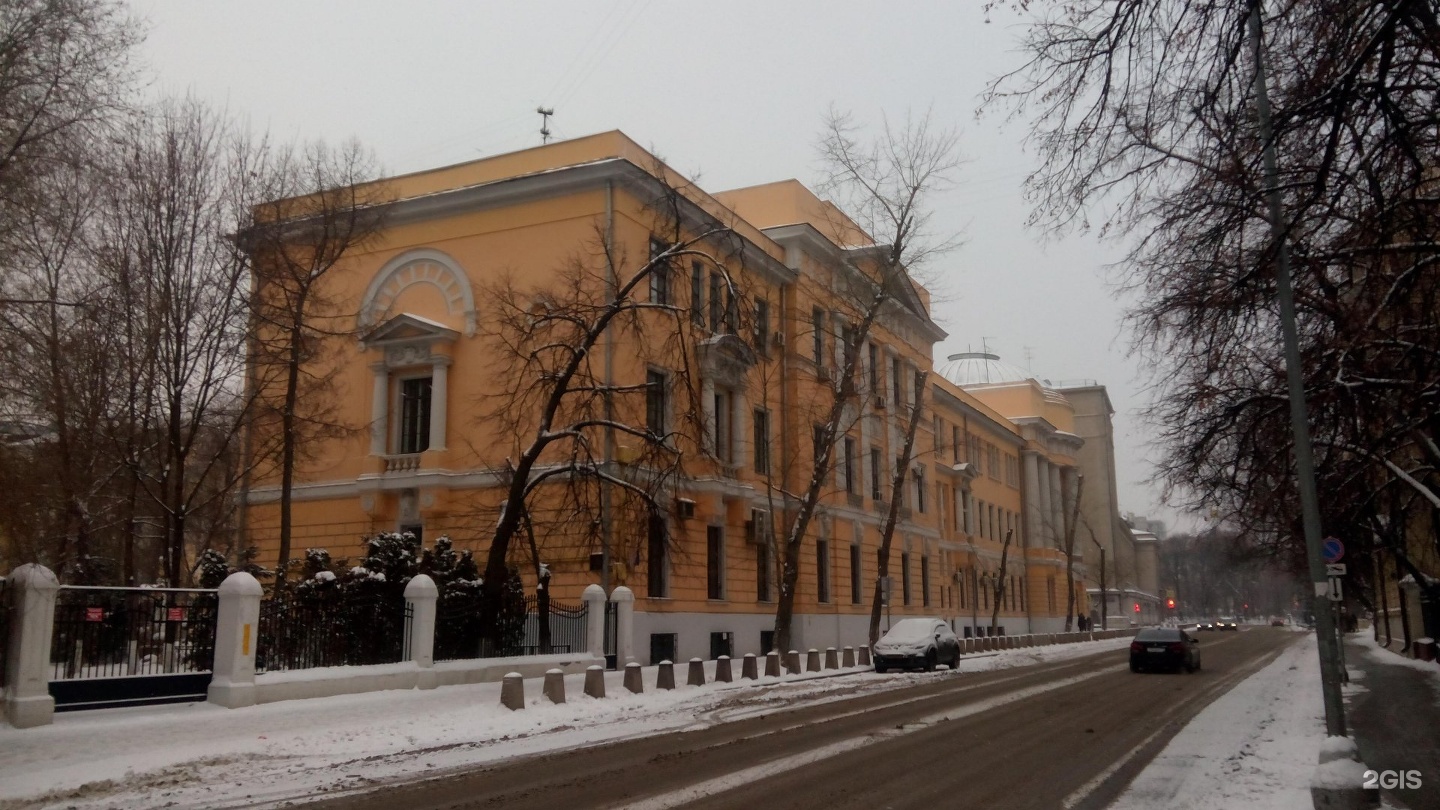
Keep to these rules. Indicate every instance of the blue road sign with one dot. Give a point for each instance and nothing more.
(1332, 549)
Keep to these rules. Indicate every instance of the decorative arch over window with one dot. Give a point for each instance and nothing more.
(422, 266)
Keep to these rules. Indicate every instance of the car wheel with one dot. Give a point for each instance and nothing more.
(880, 667)
(930, 661)
(1134, 667)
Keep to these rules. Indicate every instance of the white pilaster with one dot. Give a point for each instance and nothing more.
(379, 407)
(1057, 508)
(1042, 483)
(1033, 537)
(439, 397)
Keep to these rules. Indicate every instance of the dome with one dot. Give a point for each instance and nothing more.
(981, 368)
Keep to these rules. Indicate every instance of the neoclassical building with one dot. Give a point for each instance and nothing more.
(419, 375)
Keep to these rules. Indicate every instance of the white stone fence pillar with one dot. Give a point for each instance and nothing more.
(594, 597)
(32, 590)
(237, 634)
(624, 600)
(420, 596)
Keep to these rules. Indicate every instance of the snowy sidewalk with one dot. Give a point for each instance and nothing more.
(1393, 712)
(1254, 748)
(201, 755)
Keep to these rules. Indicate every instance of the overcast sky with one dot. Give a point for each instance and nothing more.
(732, 94)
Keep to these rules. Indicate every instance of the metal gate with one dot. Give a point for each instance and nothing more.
(612, 633)
(131, 646)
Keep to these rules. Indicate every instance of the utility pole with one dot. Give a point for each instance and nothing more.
(1328, 641)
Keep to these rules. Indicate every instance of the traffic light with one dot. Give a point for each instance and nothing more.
(1170, 603)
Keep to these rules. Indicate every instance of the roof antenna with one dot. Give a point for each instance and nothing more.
(545, 113)
(1029, 358)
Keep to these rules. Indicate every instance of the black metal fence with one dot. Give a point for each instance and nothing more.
(331, 629)
(612, 635)
(117, 632)
(458, 624)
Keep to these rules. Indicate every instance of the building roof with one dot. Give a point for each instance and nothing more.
(981, 368)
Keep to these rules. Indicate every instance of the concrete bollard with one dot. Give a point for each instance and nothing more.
(232, 682)
(792, 662)
(722, 669)
(772, 664)
(864, 655)
(1337, 782)
(847, 657)
(748, 669)
(696, 676)
(812, 660)
(832, 658)
(595, 681)
(420, 596)
(32, 625)
(665, 675)
(512, 691)
(633, 681)
(554, 687)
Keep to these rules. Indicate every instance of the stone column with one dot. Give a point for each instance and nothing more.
(1057, 508)
(1045, 539)
(32, 624)
(594, 597)
(624, 600)
(1032, 500)
(439, 397)
(420, 595)
(379, 407)
(237, 633)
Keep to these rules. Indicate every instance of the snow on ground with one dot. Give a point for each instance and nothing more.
(200, 754)
(1253, 749)
(1383, 656)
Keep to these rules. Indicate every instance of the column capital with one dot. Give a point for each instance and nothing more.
(441, 360)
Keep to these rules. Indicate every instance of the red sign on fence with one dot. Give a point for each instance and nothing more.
(175, 614)
(93, 614)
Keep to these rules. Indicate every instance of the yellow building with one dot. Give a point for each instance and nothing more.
(423, 385)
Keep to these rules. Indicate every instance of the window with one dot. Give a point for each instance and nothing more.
(767, 641)
(920, 490)
(896, 388)
(762, 325)
(925, 580)
(697, 293)
(655, 392)
(964, 496)
(993, 453)
(874, 368)
(761, 424)
(732, 312)
(980, 518)
(817, 323)
(724, 421)
(955, 442)
(716, 309)
(657, 578)
(855, 574)
(905, 576)
(721, 643)
(994, 530)
(715, 561)
(659, 274)
(851, 485)
(762, 572)
(662, 647)
(822, 570)
(875, 492)
(415, 415)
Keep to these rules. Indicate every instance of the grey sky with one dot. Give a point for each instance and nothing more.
(734, 93)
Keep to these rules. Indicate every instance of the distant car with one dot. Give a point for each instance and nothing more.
(1227, 623)
(1277, 622)
(1205, 626)
(912, 643)
(1156, 648)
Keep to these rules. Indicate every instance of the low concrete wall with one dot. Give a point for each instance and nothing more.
(271, 687)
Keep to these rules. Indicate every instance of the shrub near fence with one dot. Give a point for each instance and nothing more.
(350, 627)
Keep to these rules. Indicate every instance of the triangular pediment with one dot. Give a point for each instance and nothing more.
(407, 328)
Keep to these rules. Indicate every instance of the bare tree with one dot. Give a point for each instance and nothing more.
(999, 582)
(897, 497)
(322, 208)
(885, 188)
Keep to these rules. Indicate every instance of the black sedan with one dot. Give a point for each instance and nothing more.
(1156, 648)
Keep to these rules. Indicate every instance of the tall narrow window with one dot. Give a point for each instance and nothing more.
(920, 490)
(875, 491)
(817, 443)
(724, 436)
(697, 293)
(762, 572)
(925, 580)
(874, 368)
(761, 423)
(896, 385)
(655, 394)
(657, 575)
(822, 570)
(732, 312)
(717, 305)
(967, 526)
(817, 323)
(905, 576)
(762, 325)
(851, 485)
(856, 580)
(955, 442)
(660, 272)
(415, 415)
(715, 561)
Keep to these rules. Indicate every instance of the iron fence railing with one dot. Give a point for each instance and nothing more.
(331, 629)
(103, 632)
(459, 623)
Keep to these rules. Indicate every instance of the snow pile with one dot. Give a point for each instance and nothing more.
(201, 755)
(1255, 748)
